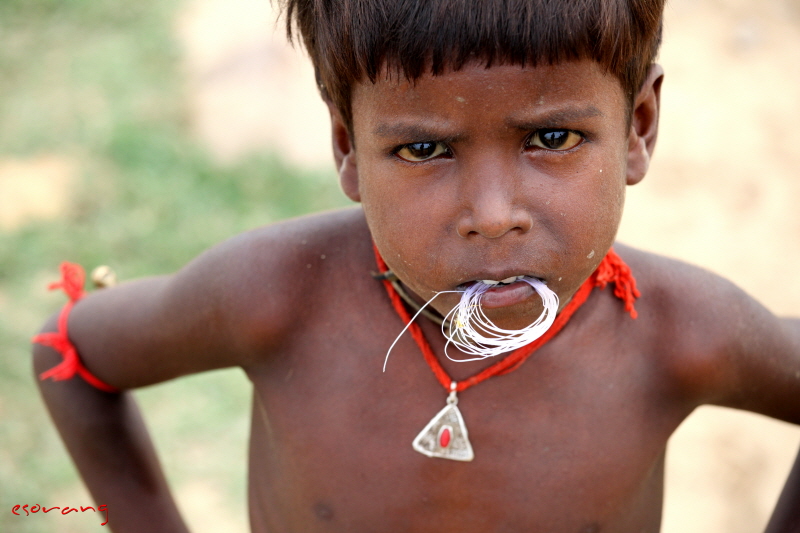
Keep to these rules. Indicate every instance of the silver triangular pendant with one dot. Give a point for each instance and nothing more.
(446, 435)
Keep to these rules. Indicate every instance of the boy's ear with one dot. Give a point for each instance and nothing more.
(644, 125)
(344, 154)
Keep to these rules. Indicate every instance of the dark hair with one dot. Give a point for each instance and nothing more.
(352, 40)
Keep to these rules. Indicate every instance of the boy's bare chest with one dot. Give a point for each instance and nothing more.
(571, 441)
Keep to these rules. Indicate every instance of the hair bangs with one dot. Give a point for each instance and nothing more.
(350, 41)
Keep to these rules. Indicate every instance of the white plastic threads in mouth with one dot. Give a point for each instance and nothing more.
(468, 328)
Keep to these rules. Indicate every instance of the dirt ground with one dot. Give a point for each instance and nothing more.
(722, 192)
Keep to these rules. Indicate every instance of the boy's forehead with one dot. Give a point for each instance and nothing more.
(565, 91)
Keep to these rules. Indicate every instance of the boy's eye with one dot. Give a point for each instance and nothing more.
(554, 139)
(421, 151)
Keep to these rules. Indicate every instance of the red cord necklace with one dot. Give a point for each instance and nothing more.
(446, 435)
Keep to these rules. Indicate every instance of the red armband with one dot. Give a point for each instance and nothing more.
(72, 279)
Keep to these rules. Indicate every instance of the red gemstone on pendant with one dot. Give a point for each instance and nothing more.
(445, 434)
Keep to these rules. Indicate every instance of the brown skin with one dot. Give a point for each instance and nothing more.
(573, 441)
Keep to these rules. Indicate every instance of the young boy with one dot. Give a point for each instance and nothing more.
(489, 144)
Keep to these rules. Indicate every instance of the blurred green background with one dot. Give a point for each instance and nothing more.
(95, 90)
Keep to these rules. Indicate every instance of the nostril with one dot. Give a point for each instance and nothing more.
(472, 226)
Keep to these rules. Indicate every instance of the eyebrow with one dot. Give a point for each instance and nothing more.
(555, 118)
(421, 132)
(410, 131)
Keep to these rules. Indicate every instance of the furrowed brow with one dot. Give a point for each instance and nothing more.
(415, 132)
(557, 118)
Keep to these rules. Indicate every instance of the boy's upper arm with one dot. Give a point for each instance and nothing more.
(765, 362)
(731, 351)
(223, 309)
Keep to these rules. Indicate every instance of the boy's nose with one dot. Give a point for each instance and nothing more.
(493, 212)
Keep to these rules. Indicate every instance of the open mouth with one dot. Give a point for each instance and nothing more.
(502, 282)
(487, 284)
(502, 293)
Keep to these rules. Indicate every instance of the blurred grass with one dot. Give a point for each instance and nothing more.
(99, 83)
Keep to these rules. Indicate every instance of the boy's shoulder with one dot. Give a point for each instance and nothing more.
(231, 306)
(673, 287)
(292, 245)
(267, 280)
(687, 303)
(705, 331)
(271, 278)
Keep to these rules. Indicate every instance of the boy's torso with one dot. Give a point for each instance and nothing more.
(572, 441)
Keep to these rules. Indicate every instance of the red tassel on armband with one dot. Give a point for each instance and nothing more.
(72, 280)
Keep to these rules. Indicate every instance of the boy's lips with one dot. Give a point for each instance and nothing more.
(501, 294)
(506, 295)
